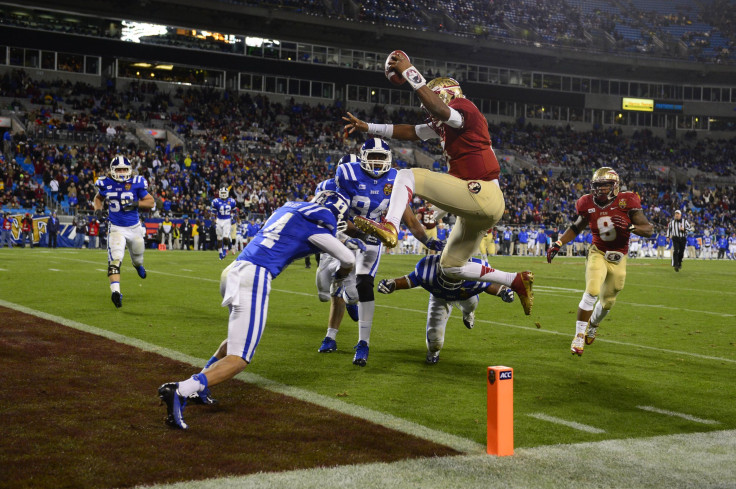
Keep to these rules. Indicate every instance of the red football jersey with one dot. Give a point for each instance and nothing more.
(468, 149)
(606, 236)
(426, 217)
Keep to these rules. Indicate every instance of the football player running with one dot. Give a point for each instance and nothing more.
(443, 294)
(612, 216)
(125, 194)
(470, 190)
(223, 207)
(368, 185)
(294, 231)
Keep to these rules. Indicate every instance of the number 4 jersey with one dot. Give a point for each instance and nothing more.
(134, 188)
(606, 236)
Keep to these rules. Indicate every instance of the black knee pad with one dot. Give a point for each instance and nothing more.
(113, 269)
(364, 284)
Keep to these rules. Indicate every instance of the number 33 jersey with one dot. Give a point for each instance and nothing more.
(134, 188)
(609, 223)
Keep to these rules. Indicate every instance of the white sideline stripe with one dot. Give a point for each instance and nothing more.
(486, 321)
(688, 417)
(569, 424)
(54, 270)
(398, 424)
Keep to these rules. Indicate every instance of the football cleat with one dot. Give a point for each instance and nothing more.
(141, 271)
(361, 354)
(328, 345)
(385, 232)
(352, 310)
(117, 299)
(433, 357)
(174, 405)
(590, 331)
(204, 397)
(522, 286)
(578, 344)
(222, 255)
(468, 320)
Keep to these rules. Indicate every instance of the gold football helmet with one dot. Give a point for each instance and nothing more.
(605, 176)
(446, 88)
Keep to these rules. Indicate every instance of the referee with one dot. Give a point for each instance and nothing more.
(677, 231)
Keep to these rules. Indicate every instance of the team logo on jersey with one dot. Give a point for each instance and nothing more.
(622, 204)
(387, 189)
(128, 186)
(590, 211)
(474, 187)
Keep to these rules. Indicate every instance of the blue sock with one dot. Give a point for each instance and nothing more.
(201, 378)
(211, 361)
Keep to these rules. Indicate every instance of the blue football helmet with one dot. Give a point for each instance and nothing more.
(120, 168)
(349, 159)
(336, 203)
(375, 157)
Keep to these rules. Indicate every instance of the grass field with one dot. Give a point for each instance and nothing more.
(664, 362)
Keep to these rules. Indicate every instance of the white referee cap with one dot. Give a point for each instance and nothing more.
(678, 211)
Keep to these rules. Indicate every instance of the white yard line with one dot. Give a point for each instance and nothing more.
(570, 424)
(688, 417)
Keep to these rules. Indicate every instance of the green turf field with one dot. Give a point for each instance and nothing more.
(664, 362)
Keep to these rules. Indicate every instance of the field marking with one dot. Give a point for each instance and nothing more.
(458, 443)
(54, 270)
(569, 424)
(688, 417)
(497, 323)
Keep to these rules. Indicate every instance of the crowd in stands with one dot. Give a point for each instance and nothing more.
(701, 31)
(269, 153)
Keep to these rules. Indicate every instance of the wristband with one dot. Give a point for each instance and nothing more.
(415, 79)
(383, 130)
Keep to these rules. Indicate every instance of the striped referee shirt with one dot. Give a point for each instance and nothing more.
(678, 228)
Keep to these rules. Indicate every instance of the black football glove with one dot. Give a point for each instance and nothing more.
(100, 214)
(368, 239)
(386, 286)
(553, 250)
(128, 204)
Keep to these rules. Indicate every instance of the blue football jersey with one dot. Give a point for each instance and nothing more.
(284, 237)
(134, 188)
(425, 276)
(329, 184)
(368, 196)
(223, 207)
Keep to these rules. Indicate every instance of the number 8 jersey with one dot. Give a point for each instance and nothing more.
(135, 188)
(606, 236)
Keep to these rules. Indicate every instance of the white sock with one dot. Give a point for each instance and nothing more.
(190, 386)
(598, 314)
(481, 273)
(332, 333)
(580, 327)
(365, 321)
(114, 286)
(400, 195)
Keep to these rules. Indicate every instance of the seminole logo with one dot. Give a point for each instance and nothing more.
(387, 189)
(474, 187)
(622, 204)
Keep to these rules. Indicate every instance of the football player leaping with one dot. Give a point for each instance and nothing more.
(470, 191)
(223, 207)
(612, 217)
(443, 294)
(125, 194)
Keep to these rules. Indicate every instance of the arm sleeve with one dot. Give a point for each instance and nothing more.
(456, 120)
(330, 244)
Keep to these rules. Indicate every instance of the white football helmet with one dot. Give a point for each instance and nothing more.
(336, 203)
(375, 157)
(224, 193)
(120, 168)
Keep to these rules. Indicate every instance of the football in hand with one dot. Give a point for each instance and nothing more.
(391, 73)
